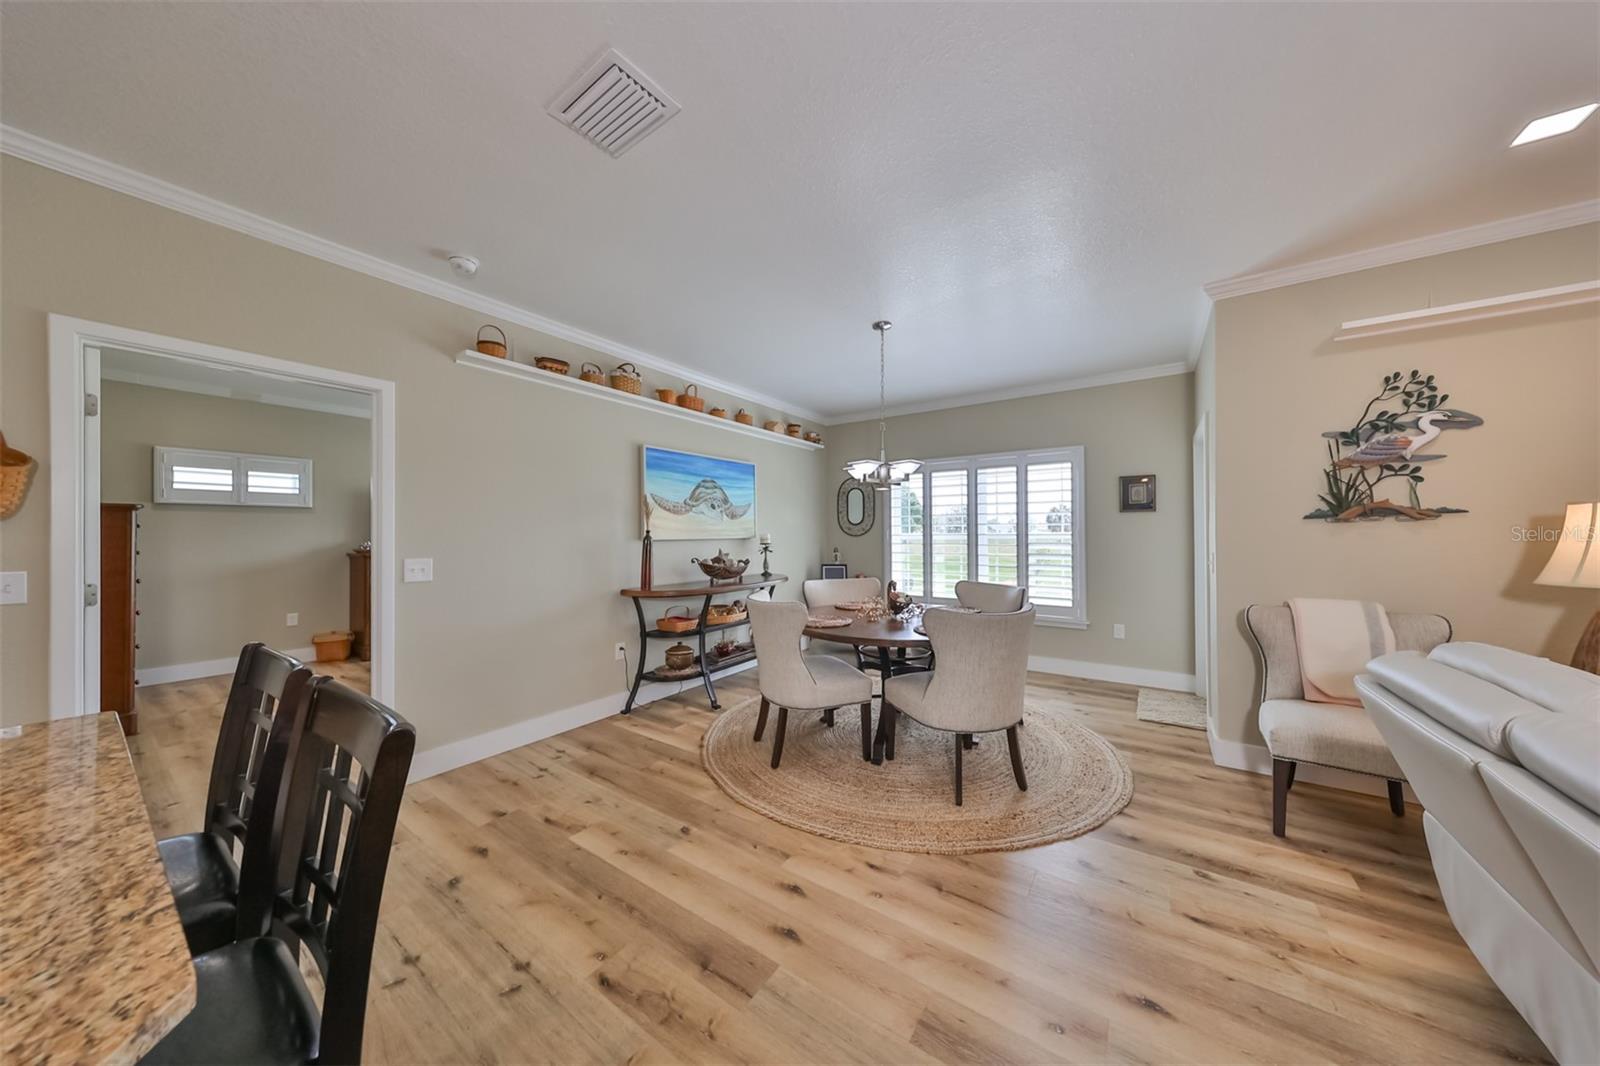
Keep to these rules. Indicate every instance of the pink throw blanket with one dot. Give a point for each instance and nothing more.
(1336, 639)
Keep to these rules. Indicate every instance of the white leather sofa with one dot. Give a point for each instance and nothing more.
(1503, 750)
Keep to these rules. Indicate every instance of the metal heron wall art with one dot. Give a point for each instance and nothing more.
(1386, 447)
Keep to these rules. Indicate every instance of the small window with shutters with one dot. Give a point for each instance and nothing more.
(235, 479)
(1013, 519)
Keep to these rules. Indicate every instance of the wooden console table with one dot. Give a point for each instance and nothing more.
(705, 591)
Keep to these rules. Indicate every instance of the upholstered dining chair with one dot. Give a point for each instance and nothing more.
(991, 598)
(266, 701)
(977, 687)
(1336, 735)
(792, 681)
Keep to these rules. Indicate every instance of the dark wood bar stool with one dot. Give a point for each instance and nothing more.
(242, 800)
(343, 790)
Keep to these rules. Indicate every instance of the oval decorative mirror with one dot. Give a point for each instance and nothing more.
(857, 509)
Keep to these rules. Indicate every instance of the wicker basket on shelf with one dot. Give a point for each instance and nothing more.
(793, 429)
(718, 412)
(625, 378)
(667, 395)
(551, 363)
(490, 346)
(678, 623)
(592, 373)
(17, 468)
(744, 418)
(775, 427)
(691, 399)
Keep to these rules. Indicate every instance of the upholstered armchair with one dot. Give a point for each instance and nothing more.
(977, 686)
(790, 680)
(1324, 734)
(991, 598)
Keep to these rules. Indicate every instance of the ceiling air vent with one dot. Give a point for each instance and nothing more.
(613, 105)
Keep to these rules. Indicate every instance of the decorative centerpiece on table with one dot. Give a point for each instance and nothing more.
(722, 567)
(899, 605)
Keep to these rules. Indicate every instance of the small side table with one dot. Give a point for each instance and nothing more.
(705, 591)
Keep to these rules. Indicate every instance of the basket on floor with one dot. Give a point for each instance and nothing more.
(17, 468)
(333, 646)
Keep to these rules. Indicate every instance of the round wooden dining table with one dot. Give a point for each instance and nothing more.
(890, 638)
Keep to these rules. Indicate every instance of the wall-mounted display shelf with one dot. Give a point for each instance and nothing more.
(1517, 303)
(553, 380)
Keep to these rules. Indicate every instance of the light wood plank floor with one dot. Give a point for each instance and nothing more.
(595, 898)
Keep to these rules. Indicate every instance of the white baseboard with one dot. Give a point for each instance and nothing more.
(1255, 759)
(1122, 675)
(482, 746)
(165, 675)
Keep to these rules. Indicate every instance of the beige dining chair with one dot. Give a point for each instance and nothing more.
(791, 681)
(977, 687)
(991, 598)
(829, 592)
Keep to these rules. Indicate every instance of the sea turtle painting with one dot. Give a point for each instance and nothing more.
(698, 497)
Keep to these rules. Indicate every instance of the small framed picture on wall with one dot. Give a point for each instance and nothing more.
(1138, 492)
(830, 571)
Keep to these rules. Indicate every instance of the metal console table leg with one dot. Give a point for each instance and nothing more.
(638, 670)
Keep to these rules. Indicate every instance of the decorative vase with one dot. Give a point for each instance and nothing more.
(646, 562)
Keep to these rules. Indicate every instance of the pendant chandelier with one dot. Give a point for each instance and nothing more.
(881, 472)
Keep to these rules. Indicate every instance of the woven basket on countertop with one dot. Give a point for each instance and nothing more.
(592, 373)
(691, 399)
(17, 468)
(625, 378)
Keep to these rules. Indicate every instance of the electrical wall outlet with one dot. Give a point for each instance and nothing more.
(621, 651)
(14, 586)
(417, 570)
(1119, 631)
(292, 618)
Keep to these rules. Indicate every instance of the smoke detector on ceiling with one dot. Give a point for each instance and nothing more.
(464, 265)
(613, 105)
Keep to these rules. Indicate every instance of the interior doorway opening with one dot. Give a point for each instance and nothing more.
(205, 498)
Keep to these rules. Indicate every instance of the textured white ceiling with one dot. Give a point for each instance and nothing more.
(1032, 192)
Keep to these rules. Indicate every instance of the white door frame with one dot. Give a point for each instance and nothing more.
(1204, 564)
(69, 337)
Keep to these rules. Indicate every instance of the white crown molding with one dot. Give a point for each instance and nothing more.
(1089, 381)
(70, 161)
(1416, 248)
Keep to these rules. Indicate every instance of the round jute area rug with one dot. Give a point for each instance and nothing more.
(1076, 781)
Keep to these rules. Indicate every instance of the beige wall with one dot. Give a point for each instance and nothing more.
(212, 578)
(1139, 570)
(525, 497)
(1281, 381)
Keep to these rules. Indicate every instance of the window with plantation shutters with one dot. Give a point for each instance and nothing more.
(905, 537)
(1012, 519)
(947, 520)
(1050, 533)
(183, 475)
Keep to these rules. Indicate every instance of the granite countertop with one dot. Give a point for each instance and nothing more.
(93, 964)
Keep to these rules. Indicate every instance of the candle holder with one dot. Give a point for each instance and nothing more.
(766, 569)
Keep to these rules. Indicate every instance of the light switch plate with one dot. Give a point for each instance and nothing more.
(417, 570)
(14, 586)
(292, 618)
(1119, 631)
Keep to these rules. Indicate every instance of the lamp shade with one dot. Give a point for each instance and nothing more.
(1576, 561)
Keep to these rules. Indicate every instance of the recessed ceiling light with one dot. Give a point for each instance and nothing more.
(1554, 125)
